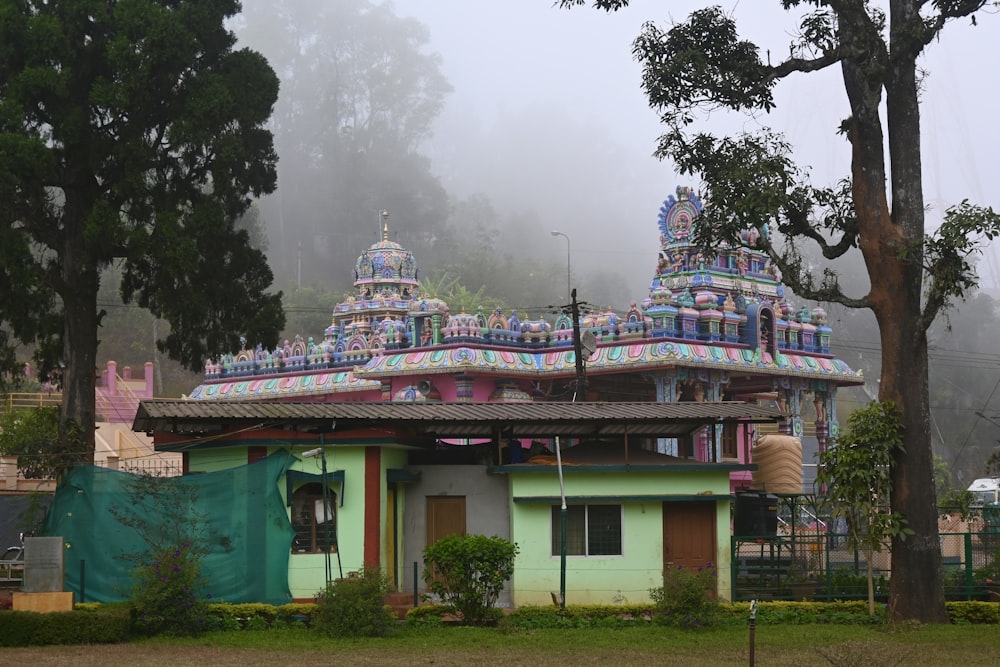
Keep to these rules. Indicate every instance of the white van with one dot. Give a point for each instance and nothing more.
(985, 491)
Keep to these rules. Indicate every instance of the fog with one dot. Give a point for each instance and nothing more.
(545, 127)
(547, 114)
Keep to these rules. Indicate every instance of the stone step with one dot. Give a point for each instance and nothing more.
(400, 602)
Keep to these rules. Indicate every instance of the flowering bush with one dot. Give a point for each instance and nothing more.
(687, 597)
(167, 597)
(355, 606)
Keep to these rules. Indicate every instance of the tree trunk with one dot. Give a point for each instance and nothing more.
(79, 282)
(870, 572)
(916, 587)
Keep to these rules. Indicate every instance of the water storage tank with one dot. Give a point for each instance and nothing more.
(779, 464)
(755, 515)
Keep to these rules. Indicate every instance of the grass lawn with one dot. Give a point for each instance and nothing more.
(790, 645)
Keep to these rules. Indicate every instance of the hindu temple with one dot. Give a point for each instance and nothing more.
(709, 329)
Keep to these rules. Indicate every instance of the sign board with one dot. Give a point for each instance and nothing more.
(44, 559)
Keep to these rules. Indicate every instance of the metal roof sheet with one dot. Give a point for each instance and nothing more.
(453, 420)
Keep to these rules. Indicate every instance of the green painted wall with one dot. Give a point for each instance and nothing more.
(306, 572)
(607, 579)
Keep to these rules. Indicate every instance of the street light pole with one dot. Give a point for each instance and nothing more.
(568, 272)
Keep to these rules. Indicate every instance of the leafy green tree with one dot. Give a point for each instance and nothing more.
(855, 477)
(468, 572)
(45, 444)
(131, 133)
(457, 295)
(752, 183)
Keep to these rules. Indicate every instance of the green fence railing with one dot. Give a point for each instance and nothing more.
(819, 566)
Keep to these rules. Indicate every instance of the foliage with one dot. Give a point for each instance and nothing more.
(429, 614)
(844, 582)
(44, 443)
(135, 137)
(308, 311)
(167, 598)
(957, 500)
(974, 612)
(468, 572)
(459, 297)
(148, 500)
(242, 616)
(537, 629)
(355, 606)
(855, 473)
(168, 592)
(129, 334)
(687, 597)
(989, 571)
(109, 624)
(530, 617)
(992, 466)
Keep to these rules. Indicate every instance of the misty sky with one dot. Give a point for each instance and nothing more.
(547, 113)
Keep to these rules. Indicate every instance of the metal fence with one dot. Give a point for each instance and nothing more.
(818, 565)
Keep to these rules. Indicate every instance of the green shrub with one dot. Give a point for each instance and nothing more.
(429, 614)
(687, 597)
(845, 582)
(109, 625)
(529, 617)
(972, 611)
(167, 597)
(468, 572)
(355, 606)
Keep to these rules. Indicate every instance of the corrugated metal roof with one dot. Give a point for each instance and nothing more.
(452, 420)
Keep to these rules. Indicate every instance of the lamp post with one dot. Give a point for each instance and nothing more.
(568, 273)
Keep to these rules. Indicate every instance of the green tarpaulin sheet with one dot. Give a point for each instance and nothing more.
(238, 515)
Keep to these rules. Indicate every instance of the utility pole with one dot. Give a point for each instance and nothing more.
(581, 382)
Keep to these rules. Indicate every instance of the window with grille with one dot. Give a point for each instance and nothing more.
(591, 530)
(315, 529)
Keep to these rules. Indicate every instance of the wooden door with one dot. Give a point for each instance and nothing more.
(445, 516)
(688, 534)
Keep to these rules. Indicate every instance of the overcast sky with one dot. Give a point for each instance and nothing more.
(547, 109)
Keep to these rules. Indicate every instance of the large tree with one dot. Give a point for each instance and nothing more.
(751, 182)
(131, 133)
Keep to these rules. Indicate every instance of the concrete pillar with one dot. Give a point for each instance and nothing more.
(111, 380)
(8, 474)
